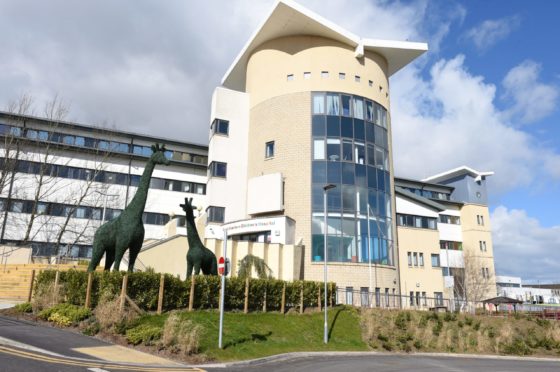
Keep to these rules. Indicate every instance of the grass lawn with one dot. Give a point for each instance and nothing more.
(254, 335)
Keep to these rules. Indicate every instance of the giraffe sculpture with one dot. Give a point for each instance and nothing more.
(126, 231)
(198, 257)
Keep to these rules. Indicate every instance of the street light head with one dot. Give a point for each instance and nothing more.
(329, 186)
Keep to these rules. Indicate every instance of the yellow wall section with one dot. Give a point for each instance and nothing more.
(271, 62)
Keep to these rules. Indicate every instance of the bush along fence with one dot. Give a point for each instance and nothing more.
(164, 292)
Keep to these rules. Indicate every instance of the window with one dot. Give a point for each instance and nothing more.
(421, 259)
(455, 246)
(435, 260)
(307, 75)
(269, 150)
(377, 297)
(220, 126)
(349, 295)
(216, 214)
(341, 75)
(415, 258)
(409, 254)
(439, 298)
(217, 169)
(482, 245)
(325, 74)
(357, 78)
(411, 298)
(290, 77)
(364, 296)
(480, 220)
(318, 149)
(444, 218)
(318, 103)
(420, 222)
(370, 83)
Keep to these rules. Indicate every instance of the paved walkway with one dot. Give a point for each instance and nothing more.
(6, 304)
(31, 336)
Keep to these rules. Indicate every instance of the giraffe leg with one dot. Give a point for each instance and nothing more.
(196, 268)
(132, 255)
(190, 268)
(109, 258)
(214, 266)
(97, 254)
(119, 253)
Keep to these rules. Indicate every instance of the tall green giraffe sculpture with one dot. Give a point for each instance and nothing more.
(126, 231)
(198, 257)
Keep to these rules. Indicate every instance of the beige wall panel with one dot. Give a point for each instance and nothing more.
(419, 278)
(273, 61)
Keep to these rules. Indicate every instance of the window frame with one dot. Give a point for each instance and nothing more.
(269, 150)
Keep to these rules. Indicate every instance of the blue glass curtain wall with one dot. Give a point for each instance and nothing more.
(350, 150)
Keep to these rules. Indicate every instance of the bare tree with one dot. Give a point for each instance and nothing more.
(476, 282)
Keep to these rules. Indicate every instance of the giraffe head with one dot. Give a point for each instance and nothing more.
(188, 208)
(158, 156)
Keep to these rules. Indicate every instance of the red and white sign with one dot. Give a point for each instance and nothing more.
(221, 266)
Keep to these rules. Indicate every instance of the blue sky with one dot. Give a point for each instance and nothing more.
(485, 95)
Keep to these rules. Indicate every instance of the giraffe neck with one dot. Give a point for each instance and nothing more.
(138, 203)
(192, 235)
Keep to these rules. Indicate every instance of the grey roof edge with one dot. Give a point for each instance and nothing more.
(420, 199)
(437, 185)
(92, 128)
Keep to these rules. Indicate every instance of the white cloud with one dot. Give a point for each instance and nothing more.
(522, 247)
(450, 120)
(491, 31)
(532, 100)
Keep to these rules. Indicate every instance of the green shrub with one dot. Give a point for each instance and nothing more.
(516, 347)
(402, 319)
(146, 334)
(24, 308)
(460, 324)
(65, 314)
(143, 288)
(418, 344)
(545, 323)
(450, 317)
(382, 337)
(423, 321)
(491, 332)
(468, 321)
(476, 326)
(388, 346)
(436, 330)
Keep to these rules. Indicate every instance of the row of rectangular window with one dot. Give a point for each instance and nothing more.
(485, 273)
(362, 131)
(415, 259)
(324, 172)
(325, 75)
(480, 220)
(421, 300)
(429, 194)
(420, 222)
(454, 246)
(482, 245)
(351, 199)
(334, 149)
(95, 143)
(85, 212)
(350, 106)
(75, 173)
(445, 218)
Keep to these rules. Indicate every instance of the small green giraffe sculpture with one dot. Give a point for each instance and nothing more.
(198, 257)
(127, 230)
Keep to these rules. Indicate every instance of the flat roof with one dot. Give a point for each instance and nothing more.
(90, 128)
(288, 18)
(456, 172)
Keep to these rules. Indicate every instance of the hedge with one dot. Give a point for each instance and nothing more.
(143, 289)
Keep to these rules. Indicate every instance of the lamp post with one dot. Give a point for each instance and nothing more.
(325, 189)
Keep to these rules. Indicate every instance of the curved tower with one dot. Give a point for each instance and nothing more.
(305, 105)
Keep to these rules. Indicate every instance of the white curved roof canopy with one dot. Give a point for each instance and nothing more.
(288, 18)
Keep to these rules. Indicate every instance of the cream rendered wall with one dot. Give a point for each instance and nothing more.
(473, 233)
(231, 149)
(169, 257)
(281, 112)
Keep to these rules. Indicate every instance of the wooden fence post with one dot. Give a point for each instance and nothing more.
(264, 300)
(246, 307)
(31, 286)
(301, 300)
(56, 291)
(123, 292)
(283, 306)
(88, 290)
(191, 294)
(331, 296)
(160, 296)
(319, 298)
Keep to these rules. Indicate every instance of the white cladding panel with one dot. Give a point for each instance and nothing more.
(450, 258)
(451, 232)
(231, 149)
(265, 194)
(406, 206)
